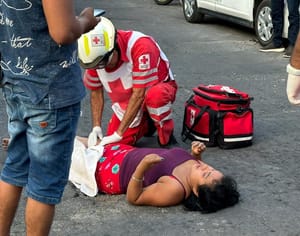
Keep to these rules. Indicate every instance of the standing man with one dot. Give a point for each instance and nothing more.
(42, 88)
(136, 74)
(278, 22)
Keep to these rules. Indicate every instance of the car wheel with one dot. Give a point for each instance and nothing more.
(162, 2)
(191, 11)
(263, 23)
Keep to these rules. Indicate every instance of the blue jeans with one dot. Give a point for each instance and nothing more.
(277, 19)
(41, 144)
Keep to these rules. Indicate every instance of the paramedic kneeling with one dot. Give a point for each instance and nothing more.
(136, 74)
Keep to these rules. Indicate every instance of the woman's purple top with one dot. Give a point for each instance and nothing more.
(172, 158)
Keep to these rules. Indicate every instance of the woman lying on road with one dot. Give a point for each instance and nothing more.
(164, 177)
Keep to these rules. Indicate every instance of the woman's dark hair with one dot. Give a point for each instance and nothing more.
(211, 199)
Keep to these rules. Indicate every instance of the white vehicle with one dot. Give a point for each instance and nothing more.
(255, 14)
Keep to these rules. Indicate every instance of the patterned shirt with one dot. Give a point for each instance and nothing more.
(32, 60)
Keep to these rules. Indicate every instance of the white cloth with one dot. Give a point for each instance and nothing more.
(83, 167)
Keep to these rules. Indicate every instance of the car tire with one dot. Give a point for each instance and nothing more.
(163, 2)
(191, 12)
(263, 23)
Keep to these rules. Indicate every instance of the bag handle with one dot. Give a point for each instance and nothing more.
(184, 135)
(228, 94)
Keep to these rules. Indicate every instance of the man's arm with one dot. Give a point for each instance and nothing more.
(293, 80)
(295, 58)
(135, 103)
(97, 105)
(64, 26)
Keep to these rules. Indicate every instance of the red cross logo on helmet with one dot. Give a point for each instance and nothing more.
(97, 40)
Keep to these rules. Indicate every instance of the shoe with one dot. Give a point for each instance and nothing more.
(272, 48)
(288, 51)
(172, 142)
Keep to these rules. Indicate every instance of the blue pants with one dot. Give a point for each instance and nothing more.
(41, 144)
(277, 19)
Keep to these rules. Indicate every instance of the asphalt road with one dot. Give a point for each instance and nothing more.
(267, 172)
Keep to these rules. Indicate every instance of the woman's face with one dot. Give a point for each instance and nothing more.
(203, 174)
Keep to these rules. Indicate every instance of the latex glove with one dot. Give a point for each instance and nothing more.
(94, 135)
(111, 139)
(293, 89)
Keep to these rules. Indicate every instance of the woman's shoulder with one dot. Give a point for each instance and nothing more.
(174, 186)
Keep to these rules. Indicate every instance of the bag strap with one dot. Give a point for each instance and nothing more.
(228, 94)
(198, 117)
(218, 91)
(236, 100)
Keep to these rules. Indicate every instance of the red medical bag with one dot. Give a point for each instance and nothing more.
(218, 115)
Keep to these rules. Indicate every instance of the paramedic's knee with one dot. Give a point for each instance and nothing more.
(161, 94)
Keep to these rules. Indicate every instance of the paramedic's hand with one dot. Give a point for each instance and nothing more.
(293, 89)
(94, 135)
(111, 139)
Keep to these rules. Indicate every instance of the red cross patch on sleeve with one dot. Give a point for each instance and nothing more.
(144, 62)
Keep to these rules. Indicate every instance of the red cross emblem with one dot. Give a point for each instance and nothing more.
(97, 40)
(144, 59)
(144, 62)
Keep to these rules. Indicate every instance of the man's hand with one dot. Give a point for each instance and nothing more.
(87, 15)
(111, 139)
(94, 136)
(63, 25)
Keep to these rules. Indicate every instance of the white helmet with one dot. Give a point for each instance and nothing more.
(96, 46)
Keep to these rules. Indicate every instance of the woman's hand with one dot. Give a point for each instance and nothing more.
(197, 148)
(149, 160)
(146, 163)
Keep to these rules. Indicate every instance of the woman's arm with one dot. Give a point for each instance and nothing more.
(165, 192)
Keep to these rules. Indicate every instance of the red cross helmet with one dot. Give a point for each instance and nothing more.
(96, 46)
